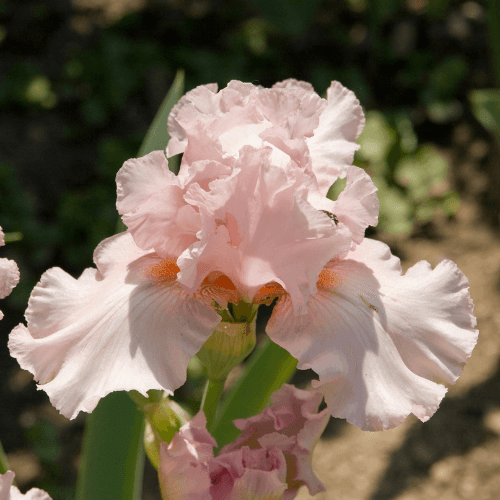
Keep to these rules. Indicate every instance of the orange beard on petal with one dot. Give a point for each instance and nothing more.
(328, 278)
(166, 270)
(268, 293)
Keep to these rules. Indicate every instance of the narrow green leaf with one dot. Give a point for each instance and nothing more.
(270, 367)
(157, 136)
(4, 464)
(113, 452)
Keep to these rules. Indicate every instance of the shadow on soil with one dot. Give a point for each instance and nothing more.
(457, 427)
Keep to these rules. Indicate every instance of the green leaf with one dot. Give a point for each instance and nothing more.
(113, 452)
(268, 369)
(157, 136)
(4, 464)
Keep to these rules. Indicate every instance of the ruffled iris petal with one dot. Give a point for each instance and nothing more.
(333, 145)
(120, 328)
(382, 343)
(9, 277)
(293, 425)
(357, 205)
(9, 274)
(257, 228)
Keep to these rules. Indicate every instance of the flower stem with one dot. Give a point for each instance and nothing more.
(4, 464)
(268, 369)
(211, 396)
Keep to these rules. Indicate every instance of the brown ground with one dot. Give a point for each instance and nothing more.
(456, 454)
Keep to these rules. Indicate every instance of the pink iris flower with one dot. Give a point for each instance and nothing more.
(10, 492)
(270, 460)
(9, 274)
(247, 219)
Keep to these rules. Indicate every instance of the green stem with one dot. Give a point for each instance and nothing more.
(4, 464)
(211, 397)
(268, 369)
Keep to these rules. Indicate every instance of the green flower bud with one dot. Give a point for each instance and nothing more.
(164, 417)
(229, 344)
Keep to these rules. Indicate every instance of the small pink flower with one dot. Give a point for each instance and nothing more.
(10, 492)
(9, 274)
(270, 460)
(293, 425)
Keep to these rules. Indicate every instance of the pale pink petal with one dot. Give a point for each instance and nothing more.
(293, 425)
(294, 110)
(257, 485)
(224, 471)
(9, 274)
(381, 343)
(6, 484)
(119, 328)
(206, 119)
(263, 477)
(201, 99)
(188, 469)
(291, 83)
(357, 205)
(149, 199)
(333, 144)
(9, 277)
(258, 229)
(239, 474)
(183, 470)
(10, 492)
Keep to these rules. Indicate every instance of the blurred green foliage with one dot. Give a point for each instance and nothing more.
(486, 108)
(411, 179)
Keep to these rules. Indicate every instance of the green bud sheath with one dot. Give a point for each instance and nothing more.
(230, 344)
(164, 417)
